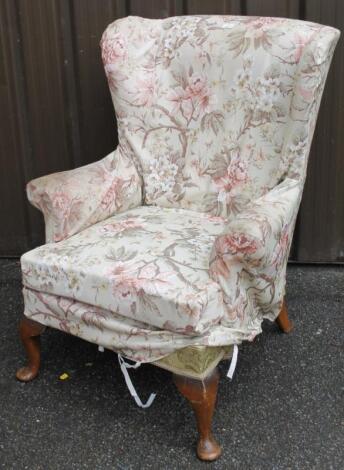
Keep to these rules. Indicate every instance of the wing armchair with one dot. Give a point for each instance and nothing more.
(173, 248)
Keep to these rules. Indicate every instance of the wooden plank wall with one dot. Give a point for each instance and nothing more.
(56, 111)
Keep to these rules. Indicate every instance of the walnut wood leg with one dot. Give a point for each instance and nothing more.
(29, 331)
(202, 397)
(283, 320)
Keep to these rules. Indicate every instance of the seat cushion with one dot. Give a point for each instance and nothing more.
(149, 264)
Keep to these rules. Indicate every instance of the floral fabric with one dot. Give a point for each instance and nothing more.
(215, 117)
(75, 199)
(150, 264)
(132, 339)
(249, 260)
(216, 110)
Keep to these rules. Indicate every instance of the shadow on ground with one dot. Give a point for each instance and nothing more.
(283, 409)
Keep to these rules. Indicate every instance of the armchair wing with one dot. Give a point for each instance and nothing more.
(249, 259)
(76, 199)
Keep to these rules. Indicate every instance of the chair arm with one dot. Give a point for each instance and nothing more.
(260, 236)
(76, 199)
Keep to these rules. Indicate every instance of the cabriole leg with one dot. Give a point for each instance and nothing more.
(202, 397)
(30, 331)
(283, 320)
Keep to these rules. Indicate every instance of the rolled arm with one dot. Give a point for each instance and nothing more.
(76, 199)
(260, 236)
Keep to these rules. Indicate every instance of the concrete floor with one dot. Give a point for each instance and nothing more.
(283, 409)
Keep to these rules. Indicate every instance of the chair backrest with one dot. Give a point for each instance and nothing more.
(216, 110)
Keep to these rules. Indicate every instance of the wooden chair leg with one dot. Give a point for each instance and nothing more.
(283, 320)
(202, 397)
(30, 331)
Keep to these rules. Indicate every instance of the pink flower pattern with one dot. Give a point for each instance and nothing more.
(75, 199)
(144, 93)
(61, 203)
(114, 49)
(237, 243)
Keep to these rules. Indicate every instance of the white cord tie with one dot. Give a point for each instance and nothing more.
(234, 361)
(124, 366)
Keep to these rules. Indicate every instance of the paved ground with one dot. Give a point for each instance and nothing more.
(283, 409)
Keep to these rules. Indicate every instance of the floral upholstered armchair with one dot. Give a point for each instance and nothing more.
(173, 249)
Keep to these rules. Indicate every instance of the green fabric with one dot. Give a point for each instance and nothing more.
(194, 361)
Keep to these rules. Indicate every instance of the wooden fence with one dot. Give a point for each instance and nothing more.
(56, 111)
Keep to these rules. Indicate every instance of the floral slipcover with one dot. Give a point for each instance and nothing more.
(74, 200)
(181, 236)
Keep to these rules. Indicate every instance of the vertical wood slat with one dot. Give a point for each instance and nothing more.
(152, 8)
(282, 8)
(98, 132)
(14, 225)
(214, 7)
(70, 81)
(320, 230)
(58, 112)
(44, 84)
